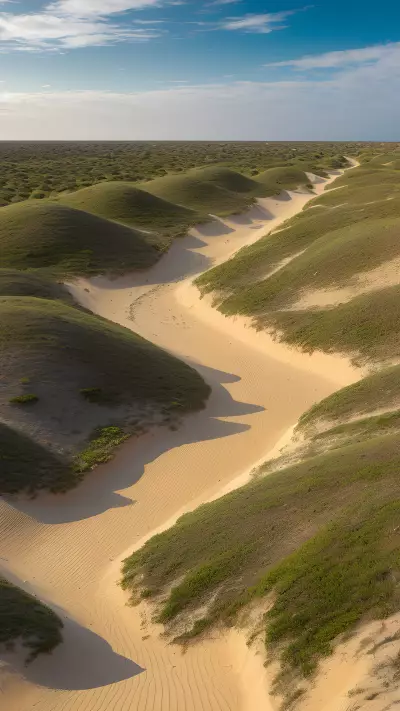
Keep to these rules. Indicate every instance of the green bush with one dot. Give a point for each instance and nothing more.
(29, 398)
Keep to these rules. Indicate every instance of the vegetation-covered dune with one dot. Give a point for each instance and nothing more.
(125, 202)
(193, 192)
(23, 283)
(25, 619)
(345, 240)
(275, 179)
(75, 387)
(41, 234)
(331, 570)
(315, 537)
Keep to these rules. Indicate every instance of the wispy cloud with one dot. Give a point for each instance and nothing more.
(222, 2)
(70, 24)
(344, 58)
(98, 8)
(260, 24)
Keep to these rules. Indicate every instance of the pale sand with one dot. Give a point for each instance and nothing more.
(69, 548)
(386, 274)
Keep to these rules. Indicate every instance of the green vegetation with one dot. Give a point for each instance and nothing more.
(193, 192)
(365, 427)
(18, 283)
(343, 235)
(332, 260)
(132, 367)
(223, 191)
(100, 449)
(94, 395)
(336, 566)
(274, 180)
(302, 231)
(126, 203)
(367, 327)
(23, 617)
(42, 234)
(27, 399)
(45, 169)
(376, 391)
(318, 539)
(67, 353)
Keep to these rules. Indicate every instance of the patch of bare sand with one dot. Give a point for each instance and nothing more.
(67, 548)
(363, 672)
(386, 274)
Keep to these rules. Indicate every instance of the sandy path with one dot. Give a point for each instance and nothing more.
(67, 549)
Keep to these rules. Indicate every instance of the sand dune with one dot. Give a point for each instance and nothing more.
(67, 549)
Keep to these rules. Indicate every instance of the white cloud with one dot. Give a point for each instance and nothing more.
(264, 23)
(222, 2)
(344, 58)
(49, 31)
(361, 103)
(98, 8)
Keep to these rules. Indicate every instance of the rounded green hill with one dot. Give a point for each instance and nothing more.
(37, 234)
(126, 203)
(21, 283)
(91, 379)
(194, 192)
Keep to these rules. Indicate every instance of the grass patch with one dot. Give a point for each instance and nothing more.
(252, 263)
(331, 260)
(345, 572)
(320, 526)
(367, 326)
(28, 399)
(23, 617)
(100, 449)
(361, 429)
(96, 395)
(376, 391)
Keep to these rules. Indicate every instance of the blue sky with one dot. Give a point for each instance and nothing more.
(204, 69)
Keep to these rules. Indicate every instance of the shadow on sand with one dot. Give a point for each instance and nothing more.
(98, 492)
(84, 660)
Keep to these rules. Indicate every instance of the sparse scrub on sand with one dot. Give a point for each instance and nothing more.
(25, 619)
(100, 449)
(26, 399)
(329, 246)
(332, 260)
(339, 508)
(380, 390)
(95, 395)
(367, 327)
(253, 263)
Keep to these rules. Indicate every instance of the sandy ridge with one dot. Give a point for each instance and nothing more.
(67, 550)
